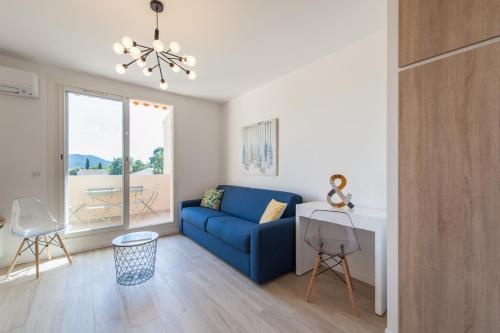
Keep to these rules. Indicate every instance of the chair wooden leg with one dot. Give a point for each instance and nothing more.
(47, 247)
(63, 247)
(37, 257)
(347, 276)
(18, 254)
(349, 272)
(313, 276)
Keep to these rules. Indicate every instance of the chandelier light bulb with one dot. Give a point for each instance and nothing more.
(147, 71)
(174, 47)
(135, 53)
(127, 42)
(118, 48)
(120, 68)
(163, 84)
(190, 60)
(191, 75)
(158, 45)
(141, 62)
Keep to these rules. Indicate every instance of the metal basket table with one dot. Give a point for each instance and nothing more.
(135, 256)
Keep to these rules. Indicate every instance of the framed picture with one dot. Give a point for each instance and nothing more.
(259, 148)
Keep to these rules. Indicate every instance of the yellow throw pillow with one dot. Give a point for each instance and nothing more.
(274, 211)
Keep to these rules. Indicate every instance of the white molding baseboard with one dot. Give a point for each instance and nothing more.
(388, 330)
(91, 242)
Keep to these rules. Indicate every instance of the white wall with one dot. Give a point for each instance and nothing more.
(332, 119)
(29, 142)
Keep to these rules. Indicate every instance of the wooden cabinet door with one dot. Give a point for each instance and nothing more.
(431, 27)
(449, 194)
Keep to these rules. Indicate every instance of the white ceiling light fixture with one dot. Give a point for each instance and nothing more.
(159, 55)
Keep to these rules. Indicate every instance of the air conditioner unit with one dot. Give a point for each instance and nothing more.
(18, 82)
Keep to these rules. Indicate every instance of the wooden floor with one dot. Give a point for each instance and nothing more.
(192, 291)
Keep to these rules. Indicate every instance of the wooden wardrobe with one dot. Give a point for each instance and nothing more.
(449, 166)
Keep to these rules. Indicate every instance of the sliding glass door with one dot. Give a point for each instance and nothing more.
(94, 160)
(150, 163)
(117, 159)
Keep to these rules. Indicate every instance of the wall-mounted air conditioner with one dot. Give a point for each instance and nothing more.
(19, 83)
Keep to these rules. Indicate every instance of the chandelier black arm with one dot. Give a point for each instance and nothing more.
(145, 55)
(185, 70)
(168, 55)
(161, 58)
(159, 66)
(172, 59)
(130, 63)
(146, 47)
(169, 61)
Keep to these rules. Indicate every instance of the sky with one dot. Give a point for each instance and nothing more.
(95, 128)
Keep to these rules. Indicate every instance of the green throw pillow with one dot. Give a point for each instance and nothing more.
(212, 198)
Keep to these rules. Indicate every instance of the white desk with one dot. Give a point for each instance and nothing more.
(373, 220)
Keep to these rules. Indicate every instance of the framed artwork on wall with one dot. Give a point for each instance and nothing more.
(259, 148)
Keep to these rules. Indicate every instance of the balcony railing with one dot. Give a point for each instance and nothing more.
(95, 201)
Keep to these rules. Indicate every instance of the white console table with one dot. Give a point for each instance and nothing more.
(373, 220)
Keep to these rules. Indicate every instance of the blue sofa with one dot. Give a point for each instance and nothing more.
(233, 233)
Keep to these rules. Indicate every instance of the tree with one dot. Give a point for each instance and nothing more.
(116, 166)
(99, 166)
(156, 161)
(74, 171)
(138, 165)
(87, 164)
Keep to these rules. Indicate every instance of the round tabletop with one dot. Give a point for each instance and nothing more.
(135, 238)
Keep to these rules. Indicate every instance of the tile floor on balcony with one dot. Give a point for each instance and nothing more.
(136, 221)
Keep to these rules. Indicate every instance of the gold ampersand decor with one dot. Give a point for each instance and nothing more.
(337, 189)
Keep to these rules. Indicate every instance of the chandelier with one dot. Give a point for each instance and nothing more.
(157, 55)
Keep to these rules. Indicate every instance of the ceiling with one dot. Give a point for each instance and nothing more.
(238, 44)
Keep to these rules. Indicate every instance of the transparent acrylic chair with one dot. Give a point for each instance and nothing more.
(333, 242)
(31, 220)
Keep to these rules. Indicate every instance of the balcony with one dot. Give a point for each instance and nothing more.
(95, 201)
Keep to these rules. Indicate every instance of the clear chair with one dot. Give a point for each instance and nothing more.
(31, 220)
(332, 242)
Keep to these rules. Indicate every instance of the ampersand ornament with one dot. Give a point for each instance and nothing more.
(345, 200)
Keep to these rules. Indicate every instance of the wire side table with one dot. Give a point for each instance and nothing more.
(135, 257)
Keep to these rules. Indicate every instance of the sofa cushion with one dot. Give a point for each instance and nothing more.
(274, 211)
(231, 230)
(250, 203)
(198, 216)
(211, 199)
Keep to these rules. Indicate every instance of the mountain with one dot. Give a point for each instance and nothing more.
(78, 161)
